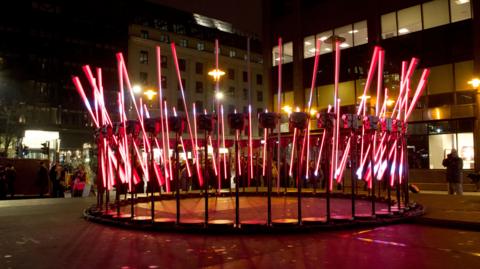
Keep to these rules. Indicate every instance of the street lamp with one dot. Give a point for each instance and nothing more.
(150, 94)
(475, 82)
(137, 89)
(216, 74)
(219, 96)
(287, 109)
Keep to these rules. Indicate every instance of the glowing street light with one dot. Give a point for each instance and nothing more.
(475, 82)
(150, 94)
(219, 95)
(287, 109)
(216, 74)
(137, 89)
(313, 112)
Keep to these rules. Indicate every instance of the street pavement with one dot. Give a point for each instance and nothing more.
(51, 233)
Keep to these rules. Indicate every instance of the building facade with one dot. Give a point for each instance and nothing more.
(443, 34)
(196, 59)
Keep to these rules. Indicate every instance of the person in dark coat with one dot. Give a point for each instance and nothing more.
(3, 182)
(454, 165)
(42, 179)
(11, 175)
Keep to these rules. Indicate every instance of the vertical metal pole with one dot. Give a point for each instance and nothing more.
(353, 159)
(207, 178)
(237, 177)
(299, 181)
(132, 163)
(269, 184)
(327, 184)
(177, 176)
(152, 197)
(405, 170)
(372, 172)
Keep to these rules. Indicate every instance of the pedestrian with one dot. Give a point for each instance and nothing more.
(454, 165)
(42, 179)
(3, 182)
(53, 175)
(11, 175)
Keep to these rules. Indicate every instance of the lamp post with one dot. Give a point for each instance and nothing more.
(475, 84)
(217, 74)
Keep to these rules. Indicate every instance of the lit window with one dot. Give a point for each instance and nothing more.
(309, 46)
(143, 57)
(183, 43)
(287, 54)
(232, 53)
(460, 10)
(144, 34)
(389, 25)
(360, 33)
(435, 13)
(409, 20)
(325, 48)
(200, 46)
(347, 33)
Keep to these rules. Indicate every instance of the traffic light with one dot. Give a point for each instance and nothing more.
(46, 148)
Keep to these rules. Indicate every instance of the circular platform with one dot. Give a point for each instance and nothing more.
(252, 213)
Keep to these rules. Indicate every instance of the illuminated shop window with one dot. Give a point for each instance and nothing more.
(309, 46)
(435, 13)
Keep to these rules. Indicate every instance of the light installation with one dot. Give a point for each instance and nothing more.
(371, 141)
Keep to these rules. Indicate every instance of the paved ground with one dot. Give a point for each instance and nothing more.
(50, 233)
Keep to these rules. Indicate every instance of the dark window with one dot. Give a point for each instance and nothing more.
(231, 91)
(180, 104)
(245, 76)
(164, 38)
(418, 151)
(199, 106)
(143, 77)
(183, 43)
(259, 79)
(199, 68)
(437, 100)
(231, 73)
(179, 29)
(466, 97)
(231, 109)
(259, 96)
(245, 94)
(164, 61)
(143, 57)
(245, 109)
(144, 34)
(182, 64)
(199, 87)
(164, 82)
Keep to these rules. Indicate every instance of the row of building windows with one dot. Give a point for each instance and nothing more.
(200, 46)
(416, 18)
(425, 16)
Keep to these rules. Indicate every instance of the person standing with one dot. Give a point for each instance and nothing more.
(42, 179)
(53, 177)
(454, 165)
(11, 175)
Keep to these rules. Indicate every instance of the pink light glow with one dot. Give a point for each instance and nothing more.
(290, 172)
(223, 145)
(250, 144)
(264, 151)
(373, 64)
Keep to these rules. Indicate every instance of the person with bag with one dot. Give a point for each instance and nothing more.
(454, 165)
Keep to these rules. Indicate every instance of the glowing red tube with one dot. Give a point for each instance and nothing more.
(160, 99)
(214, 162)
(195, 146)
(337, 133)
(343, 162)
(290, 172)
(167, 134)
(320, 153)
(392, 169)
(81, 92)
(400, 168)
(418, 92)
(237, 137)
(381, 57)
(337, 76)
(186, 158)
(177, 68)
(373, 64)
(223, 144)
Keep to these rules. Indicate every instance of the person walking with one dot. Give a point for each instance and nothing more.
(42, 179)
(11, 175)
(454, 165)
